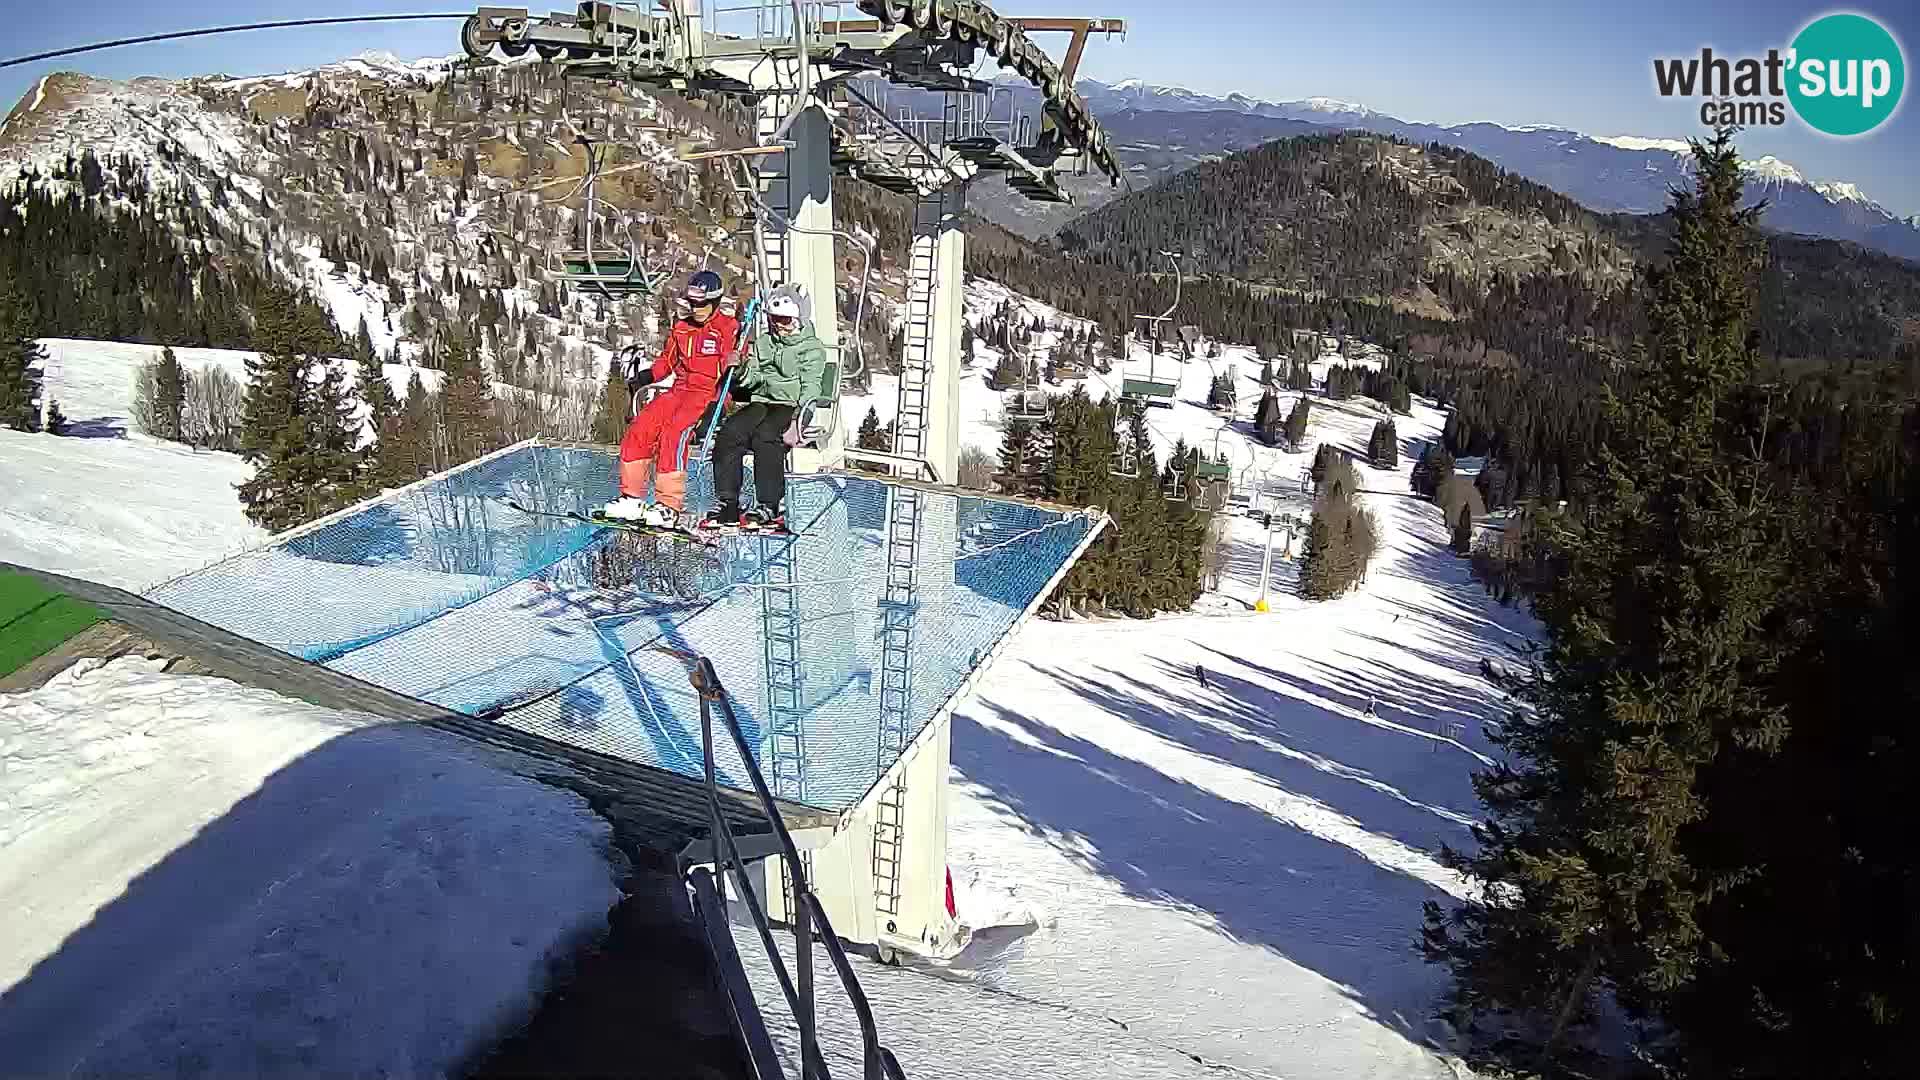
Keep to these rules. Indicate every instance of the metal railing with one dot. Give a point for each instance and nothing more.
(810, 921)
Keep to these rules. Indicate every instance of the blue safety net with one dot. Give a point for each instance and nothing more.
(838, 644)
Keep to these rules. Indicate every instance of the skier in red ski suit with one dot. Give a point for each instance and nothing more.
(697, 351)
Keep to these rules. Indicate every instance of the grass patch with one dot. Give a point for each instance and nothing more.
(34, 619)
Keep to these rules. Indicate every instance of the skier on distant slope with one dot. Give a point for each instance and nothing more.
(698, 348)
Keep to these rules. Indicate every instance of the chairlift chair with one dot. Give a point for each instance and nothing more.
(611, 273)
(1024, 406)
(1152, 390)
(1212, 471)
(1176, 488)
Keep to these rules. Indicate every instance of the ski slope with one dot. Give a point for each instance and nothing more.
(1160, 879)
(1163, 879)
(204, 879)
(111, 504)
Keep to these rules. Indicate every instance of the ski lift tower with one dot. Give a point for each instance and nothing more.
(812, 69)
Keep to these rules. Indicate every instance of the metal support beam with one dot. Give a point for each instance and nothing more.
(941, 445)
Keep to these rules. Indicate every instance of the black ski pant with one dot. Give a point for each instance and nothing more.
(762, 428)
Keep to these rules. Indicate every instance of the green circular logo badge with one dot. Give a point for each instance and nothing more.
(1847, 75)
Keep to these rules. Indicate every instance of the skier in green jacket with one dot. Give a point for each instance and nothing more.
(782, 371)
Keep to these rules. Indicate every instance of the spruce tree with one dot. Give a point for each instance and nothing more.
(169, 396)
(21, 357)
(1020, 459)
(1324, 458)
(1422, 477)
(1296, 430)
(1266, 418)
(331, 470)
(1383, 447)
(1598, 854)
(468, 428)
(610, 420)
(871, 437)
(272, 427)
(1439, 471)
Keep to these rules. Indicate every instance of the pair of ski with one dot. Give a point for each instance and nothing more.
(705, 535)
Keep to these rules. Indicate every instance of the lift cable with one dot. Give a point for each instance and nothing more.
(232, 29)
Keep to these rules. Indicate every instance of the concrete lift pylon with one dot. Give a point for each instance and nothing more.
(881, 871)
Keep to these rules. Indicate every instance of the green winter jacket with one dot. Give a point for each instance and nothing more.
(785, 372)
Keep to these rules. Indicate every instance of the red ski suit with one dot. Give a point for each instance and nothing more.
(694, 356)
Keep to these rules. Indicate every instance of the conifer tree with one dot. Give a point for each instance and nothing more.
(332, 471)
(1463, 531)
(272, 426)
(610, 420)
(363, 350)
(1324, 458)
(1266, 418)
(467, 425)
(1598, 856)
(169, 396)
(21, 357)
(297, 430)
(1383, 447)
(871, 437)
(1021, 461)
(1296, 430)
(1439, 471)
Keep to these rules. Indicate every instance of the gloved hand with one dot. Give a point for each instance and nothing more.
(639, 372)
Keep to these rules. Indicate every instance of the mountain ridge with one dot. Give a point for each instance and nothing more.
(1161, 130)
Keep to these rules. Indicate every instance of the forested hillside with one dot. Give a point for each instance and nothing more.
(1502, 299)
(1353, 215)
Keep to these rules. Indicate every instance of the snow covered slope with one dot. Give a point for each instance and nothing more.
(1163, 879)
(200, 878)
(111, 504)
(982, 416)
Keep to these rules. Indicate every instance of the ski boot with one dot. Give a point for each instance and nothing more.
(641, 512)
(761, 520)
(721, 519)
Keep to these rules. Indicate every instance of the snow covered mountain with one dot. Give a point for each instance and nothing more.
(403, 201)
(1163, 129)
(1137, 95)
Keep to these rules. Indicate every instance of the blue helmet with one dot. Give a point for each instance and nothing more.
(703, 288)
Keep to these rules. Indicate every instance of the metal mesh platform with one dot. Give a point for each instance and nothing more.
(444, 592)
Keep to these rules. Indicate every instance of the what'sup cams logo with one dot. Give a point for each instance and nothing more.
(1843, 75)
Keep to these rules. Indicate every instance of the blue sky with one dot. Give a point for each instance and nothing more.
(1582, 65)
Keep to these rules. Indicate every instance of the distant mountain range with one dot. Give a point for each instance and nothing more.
(1165, 129)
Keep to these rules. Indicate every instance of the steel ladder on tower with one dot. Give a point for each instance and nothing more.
(779, 594)
(906, 509)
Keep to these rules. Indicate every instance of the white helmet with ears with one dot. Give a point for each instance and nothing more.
(783, 305)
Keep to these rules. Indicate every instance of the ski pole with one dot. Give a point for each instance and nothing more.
(750, 328)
